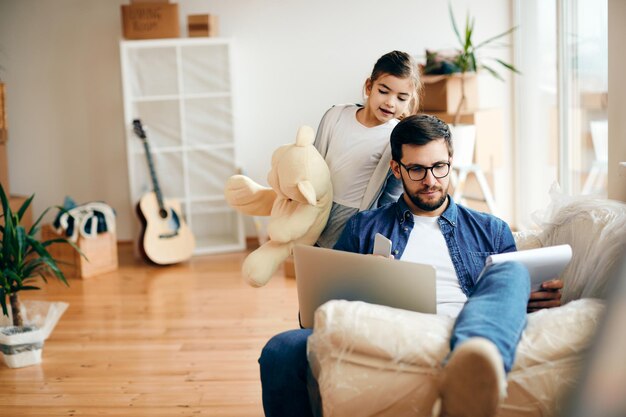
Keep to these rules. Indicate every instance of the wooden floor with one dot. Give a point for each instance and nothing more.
(154, 341)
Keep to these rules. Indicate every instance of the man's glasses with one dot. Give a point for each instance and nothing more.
(418, 173)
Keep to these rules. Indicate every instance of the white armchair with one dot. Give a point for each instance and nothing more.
(371, 360)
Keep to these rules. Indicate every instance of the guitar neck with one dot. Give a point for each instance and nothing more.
(153, 177)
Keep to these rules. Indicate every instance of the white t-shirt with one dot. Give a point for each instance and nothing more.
(427, 245)
(353, 154)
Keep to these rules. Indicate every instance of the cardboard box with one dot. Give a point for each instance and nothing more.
(4, 128)
(594, 100)
(489, 135)
(4, 168)
(101, 253)
(199, 25)
(150, 21)
(442, 93)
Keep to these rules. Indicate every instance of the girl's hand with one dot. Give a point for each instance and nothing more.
(548, 296)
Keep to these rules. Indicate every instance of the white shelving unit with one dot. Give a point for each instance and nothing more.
(181, 91)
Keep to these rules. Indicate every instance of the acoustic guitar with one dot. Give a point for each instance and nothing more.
(165, 237)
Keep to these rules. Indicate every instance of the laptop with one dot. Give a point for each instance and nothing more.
(327, 274)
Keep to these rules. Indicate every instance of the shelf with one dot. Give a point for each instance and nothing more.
(167, 97)
(181, 91)
(138, 150)
(174, 42)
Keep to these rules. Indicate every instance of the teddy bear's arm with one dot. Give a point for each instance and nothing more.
(294, 220)
(248, 197)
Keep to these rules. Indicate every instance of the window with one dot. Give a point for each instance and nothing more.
(561, 100)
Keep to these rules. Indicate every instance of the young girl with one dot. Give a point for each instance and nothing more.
(354, 141)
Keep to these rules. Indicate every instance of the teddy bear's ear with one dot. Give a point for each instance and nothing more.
(305, 136)
(308, 192)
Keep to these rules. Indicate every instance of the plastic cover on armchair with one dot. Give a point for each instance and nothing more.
(373, 360)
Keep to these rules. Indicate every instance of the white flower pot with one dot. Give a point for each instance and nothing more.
(21, 346)
(464, 142)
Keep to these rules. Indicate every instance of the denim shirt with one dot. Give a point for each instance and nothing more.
(470, 235)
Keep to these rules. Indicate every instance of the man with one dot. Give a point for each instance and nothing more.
(427, 226)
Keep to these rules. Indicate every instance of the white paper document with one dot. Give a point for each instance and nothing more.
(543, 264)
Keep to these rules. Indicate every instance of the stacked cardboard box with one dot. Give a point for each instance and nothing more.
(199, 25)
(441, 97)
(489, 135)
(442, 93)
(150, 20)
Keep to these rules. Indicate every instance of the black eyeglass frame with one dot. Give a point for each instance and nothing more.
(426, 169)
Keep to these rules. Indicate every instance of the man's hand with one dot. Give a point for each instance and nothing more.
(547, 297)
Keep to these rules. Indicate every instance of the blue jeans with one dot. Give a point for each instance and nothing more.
(496, 310)
(284, 368)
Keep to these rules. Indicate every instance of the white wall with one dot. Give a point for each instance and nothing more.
(292, 60)
(617, 100)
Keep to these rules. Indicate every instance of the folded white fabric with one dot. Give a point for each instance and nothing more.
(87, 220)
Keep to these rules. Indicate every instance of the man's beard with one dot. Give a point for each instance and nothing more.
(417, 200)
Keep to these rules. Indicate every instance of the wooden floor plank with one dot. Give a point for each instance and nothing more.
(148, 341)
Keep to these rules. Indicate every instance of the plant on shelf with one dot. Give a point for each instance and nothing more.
(466, 59)
(23, 258)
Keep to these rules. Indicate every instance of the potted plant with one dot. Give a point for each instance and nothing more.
(23, 259)
(463, 63)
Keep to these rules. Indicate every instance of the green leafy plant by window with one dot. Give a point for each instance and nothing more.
(466, 58)
(23, 258)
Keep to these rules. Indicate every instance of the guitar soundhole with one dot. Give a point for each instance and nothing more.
(163, 213)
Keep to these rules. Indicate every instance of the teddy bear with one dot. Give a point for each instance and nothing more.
(298, 203)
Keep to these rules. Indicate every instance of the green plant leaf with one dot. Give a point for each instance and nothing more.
(508, 66)
(20, 237)
(41, 275)
(24, 207)
(47, 259)
(66, 241)
(56, 271)
(31, 267)
(9, 229)
(456, 30)
(31, 278)
(492, 72)
(4, 199)
(15, 277)
(23, 258)
(468, 34)
(35, 227)
(3, 301)
(493, 38)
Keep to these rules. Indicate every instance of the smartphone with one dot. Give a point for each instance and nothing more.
(382, 246)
